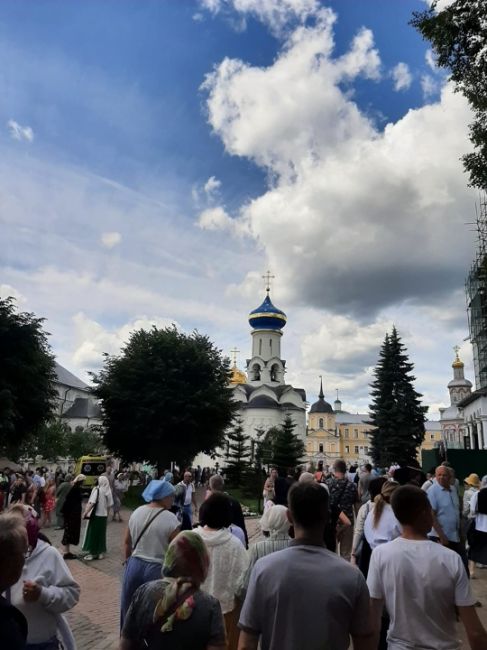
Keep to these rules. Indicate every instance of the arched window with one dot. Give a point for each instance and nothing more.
(321, 448)
(260, 347)
(275, 372)
(255, 374)
(321, 423)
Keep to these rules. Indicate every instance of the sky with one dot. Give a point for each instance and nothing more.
(159, 156)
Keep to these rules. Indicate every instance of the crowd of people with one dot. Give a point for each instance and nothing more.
(376, 558)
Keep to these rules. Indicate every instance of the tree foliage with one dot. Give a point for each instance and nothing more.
(238, 454)
(287, 449)
(165, 398)
(26, 376)
(55, 440)
(458, 36)
(396, 412)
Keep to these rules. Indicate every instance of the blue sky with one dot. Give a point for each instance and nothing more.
(159, 156)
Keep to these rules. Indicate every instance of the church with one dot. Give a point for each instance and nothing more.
(263, 396)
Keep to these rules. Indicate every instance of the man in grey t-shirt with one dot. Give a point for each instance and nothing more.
(305, 596)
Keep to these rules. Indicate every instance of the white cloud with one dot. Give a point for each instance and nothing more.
(353, 218)
(429, 86)
(401, 76)
(92, 339)
(215, 219)
(6, 290)
(212, 186)
(430, 60)
(110, 239)
(21, 133)
(341, 344)
(276, 14)
(288, 116)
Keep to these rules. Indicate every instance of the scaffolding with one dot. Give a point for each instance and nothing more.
(476, 293)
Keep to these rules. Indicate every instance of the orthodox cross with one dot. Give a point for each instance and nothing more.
(234, 353)
(456, 349)
(268, 277)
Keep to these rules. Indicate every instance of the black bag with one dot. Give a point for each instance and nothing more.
(92, 512)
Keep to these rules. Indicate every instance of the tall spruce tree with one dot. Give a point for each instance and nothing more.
(287, 448)
(238, 454)
(396, 411)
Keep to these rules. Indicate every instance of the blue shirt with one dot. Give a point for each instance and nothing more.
(446, 505)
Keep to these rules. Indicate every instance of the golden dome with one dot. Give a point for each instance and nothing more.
(238, 376)
(458, 363)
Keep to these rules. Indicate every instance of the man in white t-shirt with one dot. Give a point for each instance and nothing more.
(189, 496)
(420, 583)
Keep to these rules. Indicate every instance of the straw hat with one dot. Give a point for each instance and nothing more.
(473, 480)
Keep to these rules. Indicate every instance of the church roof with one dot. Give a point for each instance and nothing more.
(67, 378)
(481, 392)
(321, 406)
(83, 407)
(266, 316)
(278, 390)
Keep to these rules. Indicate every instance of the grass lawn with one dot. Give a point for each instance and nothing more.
(252, 504)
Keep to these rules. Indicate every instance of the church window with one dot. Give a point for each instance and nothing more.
(270, 344)
(347, 449)
(356, 449)
(355, 433)
(255, 372)
(321, 448)
(274, 372)
(346, 433)
(260, 347)
(321, 423)
(432, 436)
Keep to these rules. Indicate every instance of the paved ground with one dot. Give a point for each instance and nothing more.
(94, 620)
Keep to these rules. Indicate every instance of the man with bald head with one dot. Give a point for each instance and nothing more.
(445, 503)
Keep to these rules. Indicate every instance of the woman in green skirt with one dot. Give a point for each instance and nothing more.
(99, 503)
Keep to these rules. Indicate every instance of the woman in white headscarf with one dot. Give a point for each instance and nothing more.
(276, 523)
(96, 511)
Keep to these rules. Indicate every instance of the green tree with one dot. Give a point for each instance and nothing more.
(238, 454)
(165, 397)
(26, 377)
(395, 412)
(81, 442)
(458, 36)
(50, 441)
(287, 448)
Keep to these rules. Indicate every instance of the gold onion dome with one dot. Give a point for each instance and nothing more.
(238, 376)
(458, 363)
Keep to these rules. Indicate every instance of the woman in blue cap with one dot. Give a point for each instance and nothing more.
(150, 530)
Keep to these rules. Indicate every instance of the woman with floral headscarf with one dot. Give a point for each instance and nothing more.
(45, 590)
(96, 511)
(173, 613)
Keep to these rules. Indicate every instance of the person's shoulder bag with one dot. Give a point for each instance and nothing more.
(92, 511)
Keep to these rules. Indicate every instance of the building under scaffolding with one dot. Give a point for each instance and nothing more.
(476, 291)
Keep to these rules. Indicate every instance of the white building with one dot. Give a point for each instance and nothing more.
(75, 403)
(453, 427)
(263, 395)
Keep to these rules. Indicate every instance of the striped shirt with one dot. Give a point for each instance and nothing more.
(258, 550)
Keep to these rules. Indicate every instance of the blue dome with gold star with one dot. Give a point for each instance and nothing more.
(267, 317)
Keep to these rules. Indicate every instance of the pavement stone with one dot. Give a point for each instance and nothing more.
(95, 619)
